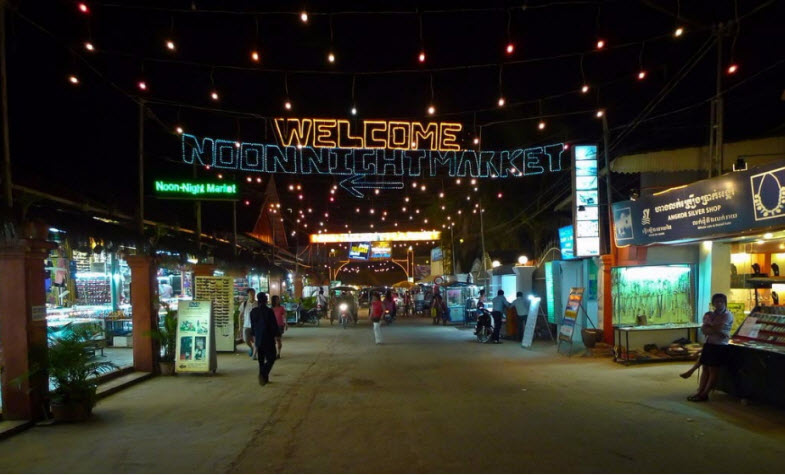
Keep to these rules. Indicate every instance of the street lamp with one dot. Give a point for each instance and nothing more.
(522, 260)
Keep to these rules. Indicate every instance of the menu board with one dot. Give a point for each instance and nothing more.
(195, 348)
(219, 291)
(571, 314)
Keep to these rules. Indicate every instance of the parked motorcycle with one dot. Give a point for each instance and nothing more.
(309, 316)
(484, 329)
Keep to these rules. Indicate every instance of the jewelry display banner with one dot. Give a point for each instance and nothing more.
(195, 348)
(731, 204)
(220, 292)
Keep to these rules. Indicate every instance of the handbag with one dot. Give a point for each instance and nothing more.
(433, 312)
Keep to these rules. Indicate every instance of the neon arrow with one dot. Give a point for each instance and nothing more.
(353, 185)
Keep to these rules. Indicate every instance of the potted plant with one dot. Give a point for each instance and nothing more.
(73, 370)
(166, 336)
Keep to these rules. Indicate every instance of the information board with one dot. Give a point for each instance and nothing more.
(531, 322)
(571, 314)
(195, 348)
(219, 291)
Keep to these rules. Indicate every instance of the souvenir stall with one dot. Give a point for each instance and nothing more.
(457, 296)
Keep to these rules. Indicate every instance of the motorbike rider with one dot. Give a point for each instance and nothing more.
(321, 302)
(437, 303)
(389, 306)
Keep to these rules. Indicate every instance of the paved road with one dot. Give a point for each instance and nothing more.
(428, 400)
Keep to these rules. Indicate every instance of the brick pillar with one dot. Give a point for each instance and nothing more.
(23, 340)
(144, 311)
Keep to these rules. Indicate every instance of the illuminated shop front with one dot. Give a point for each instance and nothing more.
(728, 235)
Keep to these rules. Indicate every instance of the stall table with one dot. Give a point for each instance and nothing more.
(626, 330)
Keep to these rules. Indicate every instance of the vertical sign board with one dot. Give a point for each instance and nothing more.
(195, 348)
(531, 322)
(586, 201)
(571, 314)
(219, 290)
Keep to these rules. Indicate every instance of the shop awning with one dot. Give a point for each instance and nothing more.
(755, 152)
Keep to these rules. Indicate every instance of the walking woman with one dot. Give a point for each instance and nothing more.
(280, 318)
(377, 310)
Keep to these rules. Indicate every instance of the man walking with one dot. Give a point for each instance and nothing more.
(500, 305)
(265, 330)
(521, 310)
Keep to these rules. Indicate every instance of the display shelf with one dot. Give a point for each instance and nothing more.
(759, 327)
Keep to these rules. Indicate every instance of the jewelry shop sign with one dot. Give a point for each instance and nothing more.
(734, 203)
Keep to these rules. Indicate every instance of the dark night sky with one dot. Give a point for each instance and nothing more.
(81, 142)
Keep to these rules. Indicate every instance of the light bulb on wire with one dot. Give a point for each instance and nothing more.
(179, 130)
(331, 57)
(89, 46)
(600, 113)
(304, 17)
(170, 45)
(541, 125)
(214, 95)
(255, 56)
(600, 43)
(733, 68)
(510, 48)
(431, 110)
(83, 7)
(421, 57)
(73, 79)
(641, 75)
(142, 85)
(501, 102)
(678, 32)
(584, 89)
(287, 105)
(354, 111)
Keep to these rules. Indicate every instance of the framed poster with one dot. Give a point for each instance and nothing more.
(219, 291)
(571, 314)
(195, 348)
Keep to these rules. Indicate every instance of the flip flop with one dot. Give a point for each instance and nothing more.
(697, 398)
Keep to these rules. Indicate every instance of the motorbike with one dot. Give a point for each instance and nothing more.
(309, 316)
(345, 317)
(388, 317)
(484, 325)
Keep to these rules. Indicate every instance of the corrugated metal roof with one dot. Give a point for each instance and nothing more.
(755, 152)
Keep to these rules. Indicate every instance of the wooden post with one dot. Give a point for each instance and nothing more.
(23, 329)
(144, 311)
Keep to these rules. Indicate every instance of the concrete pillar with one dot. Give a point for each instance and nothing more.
(144, 311)
(713, 274)
(605, 299)
(24, 340)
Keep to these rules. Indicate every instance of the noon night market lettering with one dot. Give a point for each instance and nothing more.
(186, 188)
(265, 158)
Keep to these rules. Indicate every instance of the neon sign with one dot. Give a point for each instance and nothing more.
(374, 134)
(371, 237)
(194, 190)
(261, 158)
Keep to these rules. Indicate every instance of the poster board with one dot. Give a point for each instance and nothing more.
(737, 309)
(574, 301)
(195, 348)
(531, 322)
(219, 291)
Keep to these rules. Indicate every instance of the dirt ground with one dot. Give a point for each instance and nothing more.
(430, 399)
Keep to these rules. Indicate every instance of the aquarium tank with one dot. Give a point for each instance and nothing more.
(653, 295)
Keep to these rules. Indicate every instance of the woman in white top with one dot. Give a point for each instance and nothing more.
(245, 313)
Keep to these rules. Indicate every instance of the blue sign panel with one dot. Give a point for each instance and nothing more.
(566, 242)
(359, 250)
(731, 204)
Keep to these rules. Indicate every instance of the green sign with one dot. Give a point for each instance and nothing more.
(195, 190)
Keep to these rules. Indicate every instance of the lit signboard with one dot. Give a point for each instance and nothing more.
(373, 237)
(566, 242)
(381, 250)
(585, 201)
(197, 190)
(359, 250)
(436, 254)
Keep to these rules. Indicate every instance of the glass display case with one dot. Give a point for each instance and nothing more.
(456, 296)
(653, 295)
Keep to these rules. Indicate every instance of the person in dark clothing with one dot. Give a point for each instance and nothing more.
(265, 331)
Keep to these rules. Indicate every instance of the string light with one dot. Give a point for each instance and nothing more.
(214, 95)
(248, 179)
(73, 79)
(501, 102)
(142, 85)
(679, 31)
(600, 44)
(83, 8)
(287, 105)
(331, 57)
(641, 75)
(476, 140)
(431, 110)
(255, 56)
(179, 130)
(354, 111)
(421, 57)
(585, 89)
(541, 125)
(733, 68)
(170, 45)
(304, 17)
(89, 46)
(600, 113)
(510, 48)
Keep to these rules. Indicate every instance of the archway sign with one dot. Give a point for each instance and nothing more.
(376, 154)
